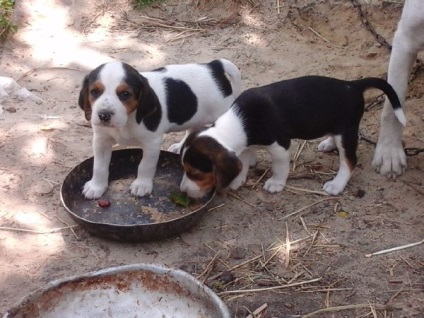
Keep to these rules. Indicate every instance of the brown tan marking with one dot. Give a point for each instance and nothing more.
(97, 85)
(132, 103)
(206, 181)
(86, 99)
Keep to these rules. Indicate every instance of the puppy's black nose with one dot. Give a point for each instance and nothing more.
(105, 116)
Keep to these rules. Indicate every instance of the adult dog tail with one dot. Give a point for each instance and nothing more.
(383, 85)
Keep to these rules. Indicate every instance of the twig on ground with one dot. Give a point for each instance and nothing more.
(278, 6)
(244, 291)
(208, 268)
(346, 307)
(240, 199)
(216, 207)
(67, 224)
(47, 68)
(297, 154)
(14, 229)
(307, 191)
(323, 38)
(258, 311)
(389, 250)
(409, 184)
(157, 23)
(92, 251)
(312, 243)
(260, 178)
(304, 225)
(237, 266)
(287, 260)
(305, 208)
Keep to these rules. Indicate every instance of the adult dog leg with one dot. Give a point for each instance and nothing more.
(389, 158)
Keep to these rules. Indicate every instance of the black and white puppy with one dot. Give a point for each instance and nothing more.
(132, 108)
(389, 158)
(269, 117)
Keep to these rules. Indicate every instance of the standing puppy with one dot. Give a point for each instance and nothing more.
(132, 108)
(269, 117)
(390, 158)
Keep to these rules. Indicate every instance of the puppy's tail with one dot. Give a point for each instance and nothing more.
(383, 85)
(235, 76)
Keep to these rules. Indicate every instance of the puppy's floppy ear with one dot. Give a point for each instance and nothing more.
(148, 102)
(227, 167)
(83, 100)
(191, 137)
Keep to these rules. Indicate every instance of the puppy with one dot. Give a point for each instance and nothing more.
(132, 108)
(269, 117)
(389, 158)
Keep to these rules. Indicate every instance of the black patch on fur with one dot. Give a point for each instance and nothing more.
(218, 75)
(181, 101)
(160, 69)
(149, 109)
(202, 162)
(199, 161)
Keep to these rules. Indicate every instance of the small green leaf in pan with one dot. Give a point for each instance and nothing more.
(180, 199)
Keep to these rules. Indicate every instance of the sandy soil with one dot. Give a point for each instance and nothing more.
(60, 41)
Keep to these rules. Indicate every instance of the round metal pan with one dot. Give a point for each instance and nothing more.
(130, 218)
(142, 290)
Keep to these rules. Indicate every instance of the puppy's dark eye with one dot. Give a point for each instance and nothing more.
(124, 96)
(95, 92)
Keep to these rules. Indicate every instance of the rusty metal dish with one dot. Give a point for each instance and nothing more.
(142, 290)
(130, 218)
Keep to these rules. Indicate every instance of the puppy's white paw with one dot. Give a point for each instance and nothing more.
(327, 145)
(141, 187)
(93, 190)
(333, 187)
(271, 185)
(175, 148)
(390, 160)
(237, 182)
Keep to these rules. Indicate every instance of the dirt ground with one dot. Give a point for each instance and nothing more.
(320, 250)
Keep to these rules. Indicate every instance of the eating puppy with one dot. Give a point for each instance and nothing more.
(132, 108)
(269, 117)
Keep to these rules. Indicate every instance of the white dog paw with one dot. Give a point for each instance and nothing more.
(333, 187)
(390, 160)
(327, 145)
(237, 182)
(141, 187)
(271, 185)
(93, 190)
(175, 148)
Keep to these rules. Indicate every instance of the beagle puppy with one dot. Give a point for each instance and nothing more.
(132, 108)
(269, 117)
(389, 158)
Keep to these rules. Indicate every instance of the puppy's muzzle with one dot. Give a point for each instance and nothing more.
(105, 116)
